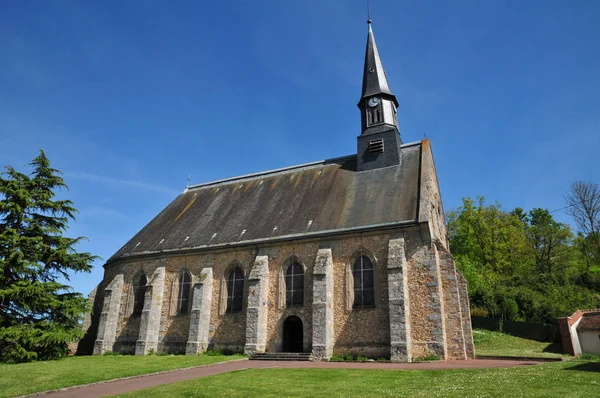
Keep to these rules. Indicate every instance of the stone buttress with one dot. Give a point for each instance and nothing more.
(202, 294)
(257, 310)
(151, 314)
(399, 304)
(322, 320)
(109, 317)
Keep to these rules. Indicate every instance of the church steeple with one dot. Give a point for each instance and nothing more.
(377, 103)
(379, 142)
(374, 78)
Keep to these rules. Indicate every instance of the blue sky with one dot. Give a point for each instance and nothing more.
(128, 98)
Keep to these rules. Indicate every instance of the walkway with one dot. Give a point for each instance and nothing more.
(120, 386)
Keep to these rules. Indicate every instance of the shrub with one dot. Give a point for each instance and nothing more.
(348, 357)
(213, 353)
(362, 358)
(336, 358)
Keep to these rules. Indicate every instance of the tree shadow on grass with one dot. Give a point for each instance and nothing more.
(586, 367)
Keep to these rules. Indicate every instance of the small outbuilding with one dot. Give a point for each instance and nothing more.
(580, 333)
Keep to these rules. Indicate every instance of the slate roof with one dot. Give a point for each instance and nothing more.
(312, 199)
(589, 321)
(374, 77)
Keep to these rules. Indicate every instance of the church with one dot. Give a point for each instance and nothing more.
(345, 255)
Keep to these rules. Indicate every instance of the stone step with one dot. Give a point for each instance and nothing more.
(282, 356)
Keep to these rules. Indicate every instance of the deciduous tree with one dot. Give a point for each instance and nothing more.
(583, 201)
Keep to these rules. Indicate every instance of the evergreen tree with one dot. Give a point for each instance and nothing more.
(38, 315)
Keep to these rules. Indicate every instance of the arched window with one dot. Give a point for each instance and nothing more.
(294, 285)
(139, 292)
(180, 295)
(364, 289)
(235, 290)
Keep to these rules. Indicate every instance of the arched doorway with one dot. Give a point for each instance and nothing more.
(293, 334)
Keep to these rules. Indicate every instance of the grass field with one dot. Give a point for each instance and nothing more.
(496, 343)
(564, 379)
(557, 377)
(33, 377)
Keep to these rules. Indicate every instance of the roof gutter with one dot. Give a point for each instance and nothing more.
(256, 242)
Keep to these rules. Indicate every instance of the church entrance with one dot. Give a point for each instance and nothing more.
(293, 334)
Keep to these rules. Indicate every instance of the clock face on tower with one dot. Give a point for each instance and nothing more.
(373, 102)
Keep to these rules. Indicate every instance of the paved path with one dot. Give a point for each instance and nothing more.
(120, 386)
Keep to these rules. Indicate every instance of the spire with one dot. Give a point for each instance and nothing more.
(374, 78)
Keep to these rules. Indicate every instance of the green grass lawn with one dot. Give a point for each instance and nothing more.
(41, 376)
(564, 379)
(496, 343)
(33, 377)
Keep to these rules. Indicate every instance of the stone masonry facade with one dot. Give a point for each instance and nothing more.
(421, 305)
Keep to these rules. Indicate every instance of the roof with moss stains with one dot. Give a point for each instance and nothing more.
(295, 202)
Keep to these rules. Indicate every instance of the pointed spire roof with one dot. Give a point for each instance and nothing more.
(374, 78)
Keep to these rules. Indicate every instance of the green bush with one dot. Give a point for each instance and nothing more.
(362, 358)
(336, 358)
(348, 357)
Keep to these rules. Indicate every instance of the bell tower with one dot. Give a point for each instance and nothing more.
(379, 141)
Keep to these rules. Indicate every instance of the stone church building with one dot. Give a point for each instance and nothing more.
(346, 255)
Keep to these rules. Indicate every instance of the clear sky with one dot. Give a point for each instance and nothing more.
(128, 98)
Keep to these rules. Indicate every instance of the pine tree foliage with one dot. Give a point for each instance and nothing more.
(38, 315)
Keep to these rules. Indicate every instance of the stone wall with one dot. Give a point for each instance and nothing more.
(455, 339)
(361, 331)
(426, 311)
(432, 288)
(279, 258)
(431, 210)
(465, 310)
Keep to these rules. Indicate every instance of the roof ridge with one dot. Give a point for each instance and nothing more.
(268, 172)
(280, 170)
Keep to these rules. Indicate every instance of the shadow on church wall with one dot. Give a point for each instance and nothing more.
(175, 336)
(230, 335)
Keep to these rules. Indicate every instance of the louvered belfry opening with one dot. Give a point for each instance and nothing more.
(376, 146)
